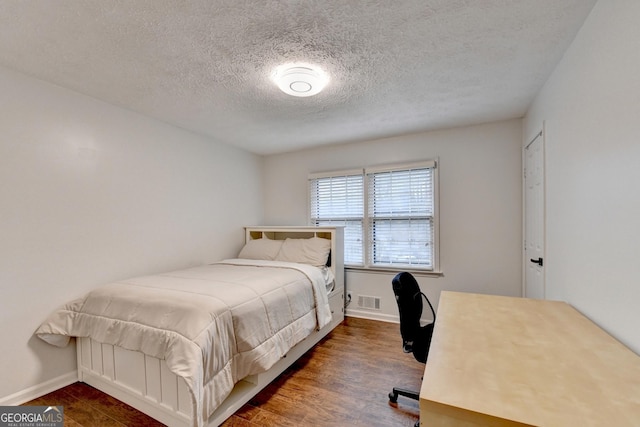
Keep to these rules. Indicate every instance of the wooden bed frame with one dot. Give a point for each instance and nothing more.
(146, 383)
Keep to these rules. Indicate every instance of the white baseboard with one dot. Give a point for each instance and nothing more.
(364, 314)
(371, 315)
(39, 389)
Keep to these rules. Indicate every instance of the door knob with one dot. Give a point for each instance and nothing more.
(537, 261)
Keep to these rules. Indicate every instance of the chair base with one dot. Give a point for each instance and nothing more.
(398, 391)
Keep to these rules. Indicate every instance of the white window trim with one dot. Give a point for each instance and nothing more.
(433, 163)
(346, 172)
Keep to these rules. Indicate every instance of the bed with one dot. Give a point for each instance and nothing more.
(190, 347)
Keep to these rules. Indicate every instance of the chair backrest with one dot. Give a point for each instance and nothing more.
(416, 339)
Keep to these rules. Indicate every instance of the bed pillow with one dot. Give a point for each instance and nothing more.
(313, 251)
(265, 249)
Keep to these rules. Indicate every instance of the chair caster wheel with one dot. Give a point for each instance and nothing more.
(393, 397)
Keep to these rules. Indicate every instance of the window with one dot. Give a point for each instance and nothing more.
(389, 214)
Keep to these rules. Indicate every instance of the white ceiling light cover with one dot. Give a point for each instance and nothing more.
(300, 79)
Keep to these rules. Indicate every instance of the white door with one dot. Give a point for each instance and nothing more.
(534, 218)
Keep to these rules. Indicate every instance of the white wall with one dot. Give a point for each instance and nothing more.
(480, 204)
(91, 193)
(591, 109)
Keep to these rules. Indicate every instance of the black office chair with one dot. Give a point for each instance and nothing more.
(416, 339)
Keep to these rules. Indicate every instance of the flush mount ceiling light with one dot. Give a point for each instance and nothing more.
(300, 79)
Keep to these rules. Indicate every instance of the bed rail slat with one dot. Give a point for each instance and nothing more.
(152, 377)
(169, 385)
(108, 363)
(129, 368)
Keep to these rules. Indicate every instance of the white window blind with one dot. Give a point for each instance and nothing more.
(389, 214)
(401, 211)
(339, 200)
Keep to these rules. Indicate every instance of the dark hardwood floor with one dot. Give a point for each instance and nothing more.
(342, 381)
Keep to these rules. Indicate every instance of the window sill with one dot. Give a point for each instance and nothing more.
(387, 270)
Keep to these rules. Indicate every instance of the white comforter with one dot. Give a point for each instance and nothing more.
(213, 324)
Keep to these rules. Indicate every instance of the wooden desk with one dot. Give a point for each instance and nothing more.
(503, 361)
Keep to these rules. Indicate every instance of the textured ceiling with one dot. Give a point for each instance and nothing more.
(396, 67)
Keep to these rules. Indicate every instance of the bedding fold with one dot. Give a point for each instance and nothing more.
(213, 325)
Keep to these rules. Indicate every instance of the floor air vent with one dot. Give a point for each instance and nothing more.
(371, 303)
